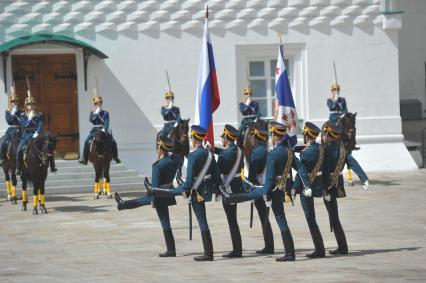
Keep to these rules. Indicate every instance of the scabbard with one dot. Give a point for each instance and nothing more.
(251, 215)
(190, 221)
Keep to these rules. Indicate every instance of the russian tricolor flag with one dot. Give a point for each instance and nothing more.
(207, 99)
(285, 108)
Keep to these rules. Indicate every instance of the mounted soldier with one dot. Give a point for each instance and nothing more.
(14, 116)
(32, 126)
(170, 113)
(100, 120)
(249, 109)
(311, 161)
(163, 174)
(230, 162)
(336, 104)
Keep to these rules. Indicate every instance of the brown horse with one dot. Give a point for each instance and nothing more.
(36, 160)
(100, 154)
(347, 121)
(248, 135)
(9, 166)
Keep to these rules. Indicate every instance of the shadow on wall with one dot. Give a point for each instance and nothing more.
(134, 133)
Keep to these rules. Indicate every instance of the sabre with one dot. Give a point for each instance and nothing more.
(335, 72)
(251, 215)
(28, 85)
(95, 90)
(168, 82)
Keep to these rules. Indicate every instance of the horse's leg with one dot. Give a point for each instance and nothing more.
(104, 181)
(42, 199)
(8, 185)
(35, 197)
(24, 192)
(14, 182)
(107, 180)
(350, 182)
(97, 183)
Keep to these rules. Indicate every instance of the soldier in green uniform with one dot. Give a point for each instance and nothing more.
(311, 160)
(202, 179)
(278, 165)
(256, 176)
(230, 162)
(163, 174)
(335, 158)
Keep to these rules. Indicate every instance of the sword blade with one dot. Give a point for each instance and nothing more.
(251, 215)
(190, 221)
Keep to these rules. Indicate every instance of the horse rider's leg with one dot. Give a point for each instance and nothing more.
(52, 163)
(8, 185)
(84, 159)
(114, 150)
(13, 188)
(3, 149)
(20, 154)
(97, 183)
(107, 180)
(24, 193)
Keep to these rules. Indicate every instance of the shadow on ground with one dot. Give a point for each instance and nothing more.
(80, 208)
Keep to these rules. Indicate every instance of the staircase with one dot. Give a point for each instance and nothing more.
(73, 177)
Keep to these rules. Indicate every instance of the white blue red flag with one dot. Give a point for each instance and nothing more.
(285, 109)
(207, 99)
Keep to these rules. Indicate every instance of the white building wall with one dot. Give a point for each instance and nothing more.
(147, 37)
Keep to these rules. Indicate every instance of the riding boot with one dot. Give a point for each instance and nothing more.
(52, 164)
(235, 198)
(208, 247)
(318, 243)
(85, 157)
(342, 246)
(288, 246)
(170, 244)
(115, 152)
(268, 237)
(18, 165)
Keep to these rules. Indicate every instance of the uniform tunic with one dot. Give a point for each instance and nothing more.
(170, 117)
(337, 108)
(250, 113)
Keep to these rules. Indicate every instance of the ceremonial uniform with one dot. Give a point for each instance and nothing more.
(334, 160)
(337, 106)
(163, 173)
(170, 117)
(13, 118)
(311, 160)
(256, 174)
(231, 172)
(250, 112)
(280, 158)
(100, 120)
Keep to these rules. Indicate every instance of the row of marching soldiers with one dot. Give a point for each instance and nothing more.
(268, 184)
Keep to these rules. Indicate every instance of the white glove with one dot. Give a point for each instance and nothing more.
(307, 192)
(98, 109)
(293, 193)
(103, 130)
(31, 115)
(268, 203)
(170, 105)
(365, 185)
(35, 135)
(248, 101)
(217, 198)
(207, 145)
(14, 109)
(188, 200)
(175, 124)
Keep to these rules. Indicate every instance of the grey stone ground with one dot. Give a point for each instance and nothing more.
(83, 240)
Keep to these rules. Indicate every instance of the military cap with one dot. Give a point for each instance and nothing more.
(277, 129)
(230, 133)
(165, 143)
(334, 130)
(260, 133)
(169, 94)
(13, 98)
(198, 132)
(311, 130)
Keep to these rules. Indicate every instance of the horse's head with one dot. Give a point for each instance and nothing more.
(47, 144)
(182, 131)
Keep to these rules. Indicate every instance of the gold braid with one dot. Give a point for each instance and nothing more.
(339, 166)
(317, 167)
(282, 182)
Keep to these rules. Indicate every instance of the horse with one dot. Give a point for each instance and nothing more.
(248, 135)
(179, 136)
(100, 154)
(9, 166)
(38, 153)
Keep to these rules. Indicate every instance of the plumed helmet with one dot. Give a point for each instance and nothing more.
(30, 100)
(97, 99)
(247, 90)
(169, 94)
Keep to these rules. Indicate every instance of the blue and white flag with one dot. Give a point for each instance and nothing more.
(285, 109)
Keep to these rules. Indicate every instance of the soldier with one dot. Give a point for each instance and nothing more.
(14, 118)
(32, 126)
(100, 120)
(311, 160)
(249, 109)
(202, 179)
(278, 166)
(163, 173)
(256, 175)
(230, 162)
(335, 159)
(170, 113)
(336, 104)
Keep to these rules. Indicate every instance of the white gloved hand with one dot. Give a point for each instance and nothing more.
(293, 193)
(268, 203)
(307, 192)
(187, 200)
(170, 105)
(217, 198)
(14, 109)
(365, 185)
(207, 145)
(248, 101)
(35, 135)
(31, 115)
(103, 130)
(98, 109)
(175, 124)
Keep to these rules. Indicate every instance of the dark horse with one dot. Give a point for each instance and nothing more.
(347, 121)
(180, 139)
(248, 135)
(9, 166)
(100, 154)
(36, 159)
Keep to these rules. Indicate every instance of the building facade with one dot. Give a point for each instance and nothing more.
(144, 38)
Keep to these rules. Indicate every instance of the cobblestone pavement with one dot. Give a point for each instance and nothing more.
(86, 240)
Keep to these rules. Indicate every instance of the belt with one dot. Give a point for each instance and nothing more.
(169, 122)
(249, 116)
(319, 173)
(98, 126)
(13, 126)
(336, 112)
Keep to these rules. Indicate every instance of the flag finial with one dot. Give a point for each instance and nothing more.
(207, 12)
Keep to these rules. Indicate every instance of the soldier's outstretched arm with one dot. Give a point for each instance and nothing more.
(351, 161)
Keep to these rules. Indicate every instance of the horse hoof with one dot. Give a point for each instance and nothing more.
(35, 211)
(14, 200)
(96, 196)
(350, 183)
(109, 196)
(104, 192)
(24, 207)
(43, 209)
(9, 197)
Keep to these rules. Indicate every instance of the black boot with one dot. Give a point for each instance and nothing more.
(268, 237)
(52, 164)
(170, 244)
(342, 246)
(208, 247)
(237, 246)
(115, 152)
(126, 204)
(318, 243)
(235, 198)
(85, 157)
(288, 246)
(18, 170)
